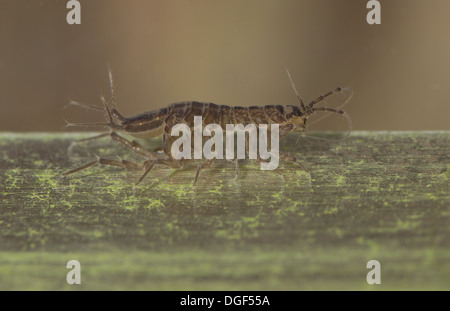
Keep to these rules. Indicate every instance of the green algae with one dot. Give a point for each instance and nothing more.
(375, 195)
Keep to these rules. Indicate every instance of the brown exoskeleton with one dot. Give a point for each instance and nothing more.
(160, 122)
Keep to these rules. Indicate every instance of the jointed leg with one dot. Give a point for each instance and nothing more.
(150, 164)
(133, 145)
(290, 158)
(72, 144)
(114, 112)
(322, 97)
(123, 164)
(147, 165)
(204, 165)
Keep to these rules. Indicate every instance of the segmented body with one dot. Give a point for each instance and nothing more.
(289, 118)
(161, 121)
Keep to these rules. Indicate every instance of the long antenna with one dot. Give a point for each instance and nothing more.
(344, 89)
(111, 84)
(295, 90)
(341, 112)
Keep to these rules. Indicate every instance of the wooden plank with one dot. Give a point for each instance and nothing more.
(375, 195)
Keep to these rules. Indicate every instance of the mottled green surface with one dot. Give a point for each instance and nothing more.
(375, 195)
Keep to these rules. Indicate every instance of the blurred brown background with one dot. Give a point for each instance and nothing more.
(228, 52)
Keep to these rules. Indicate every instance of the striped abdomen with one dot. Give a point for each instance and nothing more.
(157, 122)
(184, 112)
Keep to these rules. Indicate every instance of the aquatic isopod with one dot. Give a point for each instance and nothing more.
(288, 118)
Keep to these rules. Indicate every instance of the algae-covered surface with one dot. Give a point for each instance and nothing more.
(375, 196)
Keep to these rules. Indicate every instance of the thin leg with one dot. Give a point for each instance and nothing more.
(204, 165)
(322, 97)
(336, 90)
(91, 138)
(149, 165)
(116, 114)
(111, 84)
(296, 92)
(133, 145)
(343, 90)
(80, 168)
(72, 144)
(87, 106)
(131, 165)
(290, 158)
(123, 164)
(110, 112)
